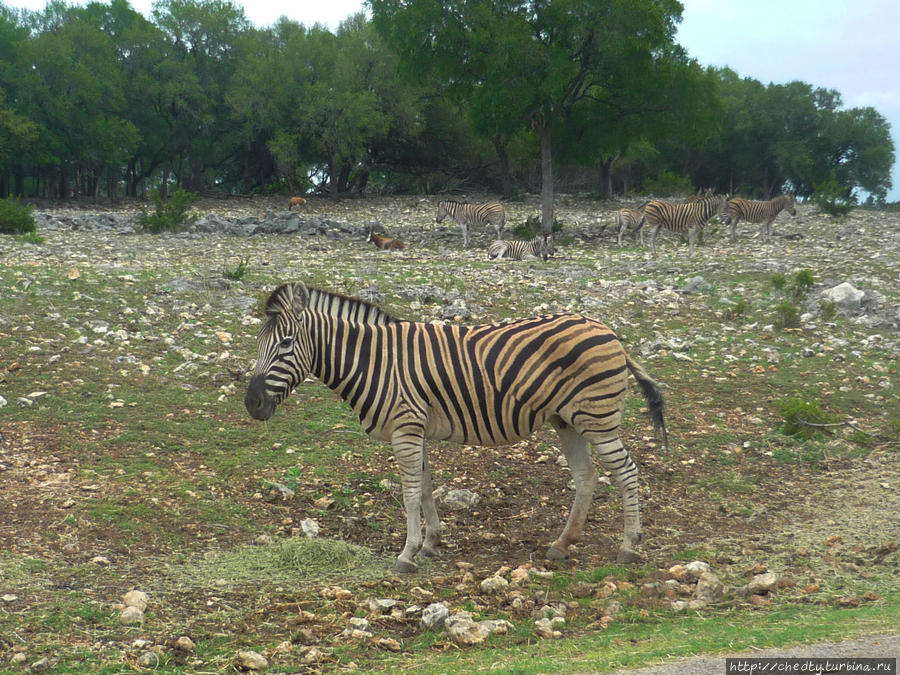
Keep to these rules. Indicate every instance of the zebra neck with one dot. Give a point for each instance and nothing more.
(344, 353)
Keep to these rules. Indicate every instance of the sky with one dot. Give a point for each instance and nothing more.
(835, 44)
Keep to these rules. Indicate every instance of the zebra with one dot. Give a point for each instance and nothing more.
(681, 217)
(631, 219)
(485, 385)
(467, 214)
(539, 247)
(758, 212)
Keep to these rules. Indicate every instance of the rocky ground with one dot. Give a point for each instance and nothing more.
(743, 521)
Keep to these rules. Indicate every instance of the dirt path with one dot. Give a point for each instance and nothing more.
(876, 646)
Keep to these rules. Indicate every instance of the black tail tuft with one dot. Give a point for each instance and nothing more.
(652, 393)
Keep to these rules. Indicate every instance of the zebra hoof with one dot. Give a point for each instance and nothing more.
(627, 557)
(556, 553)
(428, 552)
(405, 567)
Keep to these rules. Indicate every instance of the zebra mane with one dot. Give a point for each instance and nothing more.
(326, 302)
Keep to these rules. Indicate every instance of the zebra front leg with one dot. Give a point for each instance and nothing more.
(409, 450)
(578, 455)
(432, 520)
(692, 237)
(465, 231)
(653, 238)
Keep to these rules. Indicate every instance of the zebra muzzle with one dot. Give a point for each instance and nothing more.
(258, 403)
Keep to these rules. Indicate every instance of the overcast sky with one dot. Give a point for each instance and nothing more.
(852, 47)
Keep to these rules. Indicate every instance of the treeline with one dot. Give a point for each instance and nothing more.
(100, 102)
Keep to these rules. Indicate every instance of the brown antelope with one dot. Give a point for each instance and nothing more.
(296, 201)
(385, 243)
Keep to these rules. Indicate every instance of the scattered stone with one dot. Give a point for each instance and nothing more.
(494, 584)
(250, 660)
(9, 597)
(710, 589)
(381, 605)
(696, 569)
(148, 659)
(131, 616)
(184, 644)
(137, 599)
(762, 584)
(460, 499)
(845, 296)
(544, 628)
(310, 527)
(466, 632)
(435, 615)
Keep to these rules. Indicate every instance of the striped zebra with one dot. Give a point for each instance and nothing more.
(487, 213)
(539, 247)
(481, 385)
(631, 219)
(681, 217)
(758, 212)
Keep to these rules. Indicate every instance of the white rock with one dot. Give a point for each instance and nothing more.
(494, 584)
(137, 599)
(435, 615)
(252, 660)
(131, 616)
(310, 527)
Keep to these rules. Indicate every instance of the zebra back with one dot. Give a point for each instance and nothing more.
(538, 247)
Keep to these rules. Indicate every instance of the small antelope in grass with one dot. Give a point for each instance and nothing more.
(385, 243)
(296, 201)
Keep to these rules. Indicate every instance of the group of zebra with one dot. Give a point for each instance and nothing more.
(493, 213)
(696, 211)
(689, 217)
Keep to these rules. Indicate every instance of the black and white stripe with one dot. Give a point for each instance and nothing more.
(681, 217)
(466, 214)
(479, 385)
(539, 247)
(631, 219)
(758, 212)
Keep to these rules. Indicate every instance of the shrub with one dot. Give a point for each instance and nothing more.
(236, 273)
(668, 183)
(171, 215)
(800, 418)
(835, 199)
(532, 227)
(778, 282)
(15, 217)
(802, 283)
(786, 315)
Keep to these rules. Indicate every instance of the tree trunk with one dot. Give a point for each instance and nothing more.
(604, 177)
(505, 175)
(546, 180)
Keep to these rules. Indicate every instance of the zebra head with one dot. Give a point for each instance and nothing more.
(442, 212)
(546, 246)
(790, 203)
(284, 354)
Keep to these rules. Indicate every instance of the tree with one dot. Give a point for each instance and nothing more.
(532, 64)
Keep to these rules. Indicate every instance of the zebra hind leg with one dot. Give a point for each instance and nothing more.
(578, 455)
(613, 457)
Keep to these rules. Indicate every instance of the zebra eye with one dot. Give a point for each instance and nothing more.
(286, 343)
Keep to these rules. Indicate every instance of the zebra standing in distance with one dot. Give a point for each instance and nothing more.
(539, 247)
(758, 212)
(631, 219)
(681, 217)
(466, 214)
(484, 385)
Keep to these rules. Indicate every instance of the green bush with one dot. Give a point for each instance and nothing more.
(532, 227)
(236, 273)
(835, 199)
(801, 417)
(786, 315)
(15, 217)
(668, 183)
(778, 281)
(171, 215)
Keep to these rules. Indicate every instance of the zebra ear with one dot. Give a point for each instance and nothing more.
(299, 297)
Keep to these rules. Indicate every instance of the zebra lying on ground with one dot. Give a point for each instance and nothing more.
(681, 217)
(479, 385)
(484, 214)
(539, 247)
(758, 212)
(631, 219)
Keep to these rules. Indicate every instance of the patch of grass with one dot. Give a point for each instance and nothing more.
(727, 483)
(786, 315)
(237, 272)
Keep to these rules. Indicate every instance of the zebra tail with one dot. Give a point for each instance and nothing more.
(652, 393)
